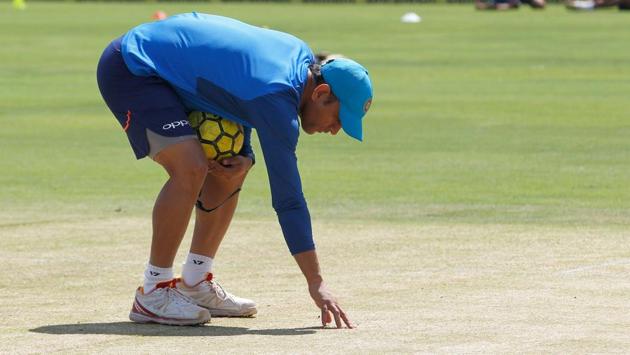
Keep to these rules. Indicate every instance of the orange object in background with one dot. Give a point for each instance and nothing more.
(159, 15)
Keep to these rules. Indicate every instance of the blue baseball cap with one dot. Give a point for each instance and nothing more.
(350, 83)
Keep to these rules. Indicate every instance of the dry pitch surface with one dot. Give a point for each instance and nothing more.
(410, 288)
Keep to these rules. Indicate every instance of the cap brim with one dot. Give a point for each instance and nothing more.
(351, 123)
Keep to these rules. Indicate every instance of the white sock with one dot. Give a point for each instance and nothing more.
(154, 275)
(195, 268)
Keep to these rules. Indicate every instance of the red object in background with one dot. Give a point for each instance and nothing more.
(159, 15)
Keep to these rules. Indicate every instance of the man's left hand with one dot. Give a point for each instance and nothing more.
(230, 168)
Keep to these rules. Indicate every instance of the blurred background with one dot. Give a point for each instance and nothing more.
(479, 116)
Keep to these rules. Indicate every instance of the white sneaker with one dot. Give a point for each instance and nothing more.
(211, 296)
(166, 305)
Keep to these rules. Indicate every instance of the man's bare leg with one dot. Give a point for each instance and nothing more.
(157, 301)
(210, 227)
(187, 168)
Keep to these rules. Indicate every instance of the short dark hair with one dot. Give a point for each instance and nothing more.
(316, 70)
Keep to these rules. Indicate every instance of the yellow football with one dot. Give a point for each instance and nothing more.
(219, 138)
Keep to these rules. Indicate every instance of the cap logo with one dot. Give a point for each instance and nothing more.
(366, 105)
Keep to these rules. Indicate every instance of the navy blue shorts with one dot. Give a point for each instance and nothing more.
(140, 103)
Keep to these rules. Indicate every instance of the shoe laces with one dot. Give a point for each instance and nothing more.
(221, 293)
(173, 295)
(218, 289)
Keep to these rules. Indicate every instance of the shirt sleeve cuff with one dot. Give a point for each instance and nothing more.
(297, 230)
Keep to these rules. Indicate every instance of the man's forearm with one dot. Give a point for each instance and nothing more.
(308, 263)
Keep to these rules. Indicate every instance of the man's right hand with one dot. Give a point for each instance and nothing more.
(325, 300)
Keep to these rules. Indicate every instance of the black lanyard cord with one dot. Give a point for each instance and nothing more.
(200, 205)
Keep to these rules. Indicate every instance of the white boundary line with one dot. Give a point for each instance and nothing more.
(598, 266)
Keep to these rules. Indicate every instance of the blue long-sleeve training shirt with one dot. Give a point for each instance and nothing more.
(251, 75)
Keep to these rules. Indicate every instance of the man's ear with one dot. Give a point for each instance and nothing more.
(320, 90)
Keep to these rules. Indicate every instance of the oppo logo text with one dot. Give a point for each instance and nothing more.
(175, 124)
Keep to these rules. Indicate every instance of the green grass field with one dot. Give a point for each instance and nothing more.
(487, 211)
